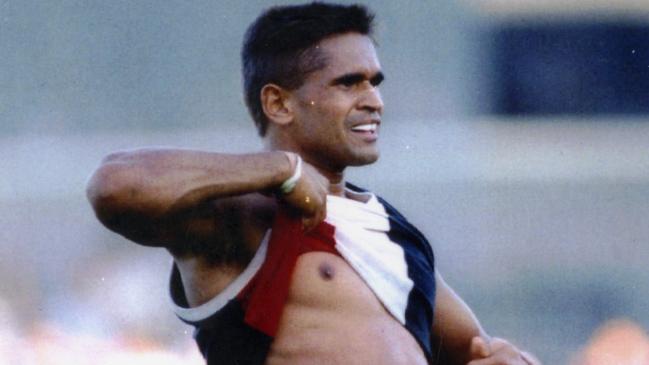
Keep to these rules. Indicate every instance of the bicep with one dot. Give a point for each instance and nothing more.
(219, 229)
(200, 223)
(454, 324)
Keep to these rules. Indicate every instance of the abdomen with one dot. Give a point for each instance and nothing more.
(332, 317)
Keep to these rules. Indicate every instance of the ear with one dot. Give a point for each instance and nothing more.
(276, 104)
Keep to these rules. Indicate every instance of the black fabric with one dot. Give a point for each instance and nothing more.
(421, 270)
(225, 339)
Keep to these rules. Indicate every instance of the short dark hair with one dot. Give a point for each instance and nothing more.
(279, 46)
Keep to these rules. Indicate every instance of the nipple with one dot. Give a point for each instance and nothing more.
(326, 271)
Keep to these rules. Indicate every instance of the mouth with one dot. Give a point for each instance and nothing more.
(367, 130)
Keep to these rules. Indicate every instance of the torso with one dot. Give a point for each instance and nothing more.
(330, 316)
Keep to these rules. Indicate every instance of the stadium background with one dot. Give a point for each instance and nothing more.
(515, 135)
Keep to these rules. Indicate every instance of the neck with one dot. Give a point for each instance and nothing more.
(336, 178)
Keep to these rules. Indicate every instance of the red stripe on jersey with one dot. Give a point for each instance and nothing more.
(264, 297)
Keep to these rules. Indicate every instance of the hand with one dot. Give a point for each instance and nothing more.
(309, 196)
(498, 352)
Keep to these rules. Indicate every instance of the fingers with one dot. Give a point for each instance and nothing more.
(498, 359)
(309, 197)
(487, 361)
(479, 348)
(501, 353)
(498, 344)
(310, 221)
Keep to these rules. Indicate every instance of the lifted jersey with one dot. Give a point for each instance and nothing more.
(238, 325)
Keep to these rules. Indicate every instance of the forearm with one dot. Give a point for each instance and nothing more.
(159, 182)
(454, 325)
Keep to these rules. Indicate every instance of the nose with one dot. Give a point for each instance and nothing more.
(371, 100)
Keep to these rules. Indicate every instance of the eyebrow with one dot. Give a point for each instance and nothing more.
(357, 77)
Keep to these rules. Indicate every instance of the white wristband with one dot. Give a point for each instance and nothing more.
(289, 184)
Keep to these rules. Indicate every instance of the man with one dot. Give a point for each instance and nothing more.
(277, 259)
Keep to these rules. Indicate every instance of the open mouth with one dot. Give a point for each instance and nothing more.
(366, 128)
(368, 132)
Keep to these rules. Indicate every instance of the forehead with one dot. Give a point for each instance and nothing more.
(348, 53)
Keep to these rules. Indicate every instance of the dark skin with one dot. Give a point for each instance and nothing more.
(185, 200)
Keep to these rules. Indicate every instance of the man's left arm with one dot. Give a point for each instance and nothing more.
(458, 337)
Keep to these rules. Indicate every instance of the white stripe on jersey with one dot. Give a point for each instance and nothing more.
(361, 238)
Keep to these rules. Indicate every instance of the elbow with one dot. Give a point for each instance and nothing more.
(110, 191)
(102, 193)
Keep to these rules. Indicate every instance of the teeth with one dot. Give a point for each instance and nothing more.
(365, 128)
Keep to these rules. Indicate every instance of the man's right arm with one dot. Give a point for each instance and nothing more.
(148, 195)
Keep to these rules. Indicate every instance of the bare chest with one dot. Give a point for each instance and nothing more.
(332, 316)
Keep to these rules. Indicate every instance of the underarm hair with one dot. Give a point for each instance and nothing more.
(228, 248)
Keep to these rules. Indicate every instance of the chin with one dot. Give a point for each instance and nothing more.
(365, 159)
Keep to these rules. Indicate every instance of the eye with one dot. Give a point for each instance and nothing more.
(377, 80)
(352, 80)
(349, 81)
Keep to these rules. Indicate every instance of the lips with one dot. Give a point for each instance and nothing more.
(368, 131)
(370, 127)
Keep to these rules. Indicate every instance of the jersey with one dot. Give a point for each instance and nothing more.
(238, 325)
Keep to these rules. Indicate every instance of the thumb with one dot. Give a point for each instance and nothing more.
(479, 348)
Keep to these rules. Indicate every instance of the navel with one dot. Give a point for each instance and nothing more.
(326, 271)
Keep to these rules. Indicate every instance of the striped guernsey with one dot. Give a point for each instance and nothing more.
(239, 324)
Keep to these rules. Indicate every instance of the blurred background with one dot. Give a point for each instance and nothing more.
(516, 135)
